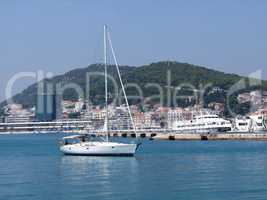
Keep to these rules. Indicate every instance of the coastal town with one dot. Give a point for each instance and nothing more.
(76, 115)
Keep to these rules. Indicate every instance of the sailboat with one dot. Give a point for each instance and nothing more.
(85, 144)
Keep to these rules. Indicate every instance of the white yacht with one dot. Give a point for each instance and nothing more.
(242, 124)
(206, 123)
(249, 124)
(101, 146)
(258, 122)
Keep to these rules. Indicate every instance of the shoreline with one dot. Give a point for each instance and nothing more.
(260, 136)
(214, 136)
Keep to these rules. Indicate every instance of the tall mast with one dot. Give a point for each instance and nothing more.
(122, 86)
(106, 81)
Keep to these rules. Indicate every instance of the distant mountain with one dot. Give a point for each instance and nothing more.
(152, 73)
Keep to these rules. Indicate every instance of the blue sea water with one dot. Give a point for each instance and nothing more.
(31, 167)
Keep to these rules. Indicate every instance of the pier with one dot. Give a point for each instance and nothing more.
(214, 136)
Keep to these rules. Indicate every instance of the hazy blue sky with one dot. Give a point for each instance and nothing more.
(57, 36)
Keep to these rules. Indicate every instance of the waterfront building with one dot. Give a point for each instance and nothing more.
(244, 97)
(79, 105)
(48, 107)
(68, 106)
(15, 113)
(220, 107)
(216, 90)
(142, 120)
(256, 98)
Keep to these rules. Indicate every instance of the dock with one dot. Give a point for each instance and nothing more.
(163, 135)
(214, 136)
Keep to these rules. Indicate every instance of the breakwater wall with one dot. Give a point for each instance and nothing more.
(219, 136)
(191, 136)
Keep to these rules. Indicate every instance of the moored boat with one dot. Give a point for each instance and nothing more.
(84, 145)
(204, 123)
(88, 146)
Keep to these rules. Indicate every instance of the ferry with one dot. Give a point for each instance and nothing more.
(205, 123)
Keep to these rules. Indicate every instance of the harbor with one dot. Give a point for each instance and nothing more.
(133, 100)
(201, 125)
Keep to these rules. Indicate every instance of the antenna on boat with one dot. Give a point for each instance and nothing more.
(106, 81)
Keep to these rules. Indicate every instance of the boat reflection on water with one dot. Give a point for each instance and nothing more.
(103, 172)
(101, 164)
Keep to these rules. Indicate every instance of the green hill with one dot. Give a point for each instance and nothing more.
(152, 73)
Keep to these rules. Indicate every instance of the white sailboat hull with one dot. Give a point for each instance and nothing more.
(99, 149)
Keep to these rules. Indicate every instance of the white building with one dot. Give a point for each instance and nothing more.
(16, 113)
